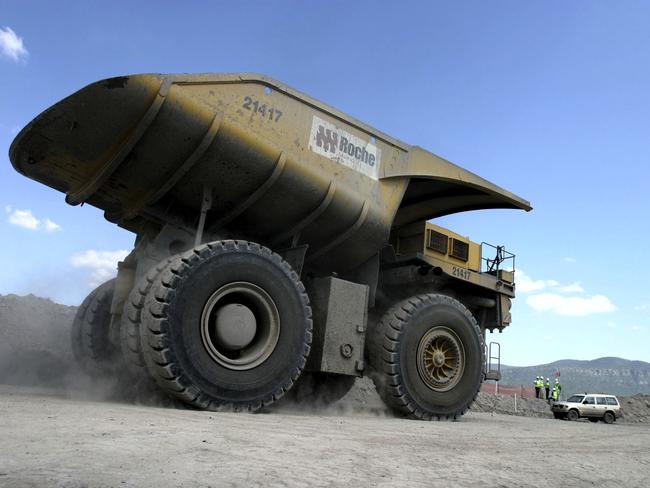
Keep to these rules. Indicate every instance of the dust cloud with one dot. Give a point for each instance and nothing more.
(35, 352)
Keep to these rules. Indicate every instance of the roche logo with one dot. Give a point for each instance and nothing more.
(327, 139)
(345, 148)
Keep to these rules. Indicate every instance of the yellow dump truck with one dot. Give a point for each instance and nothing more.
(282, 247)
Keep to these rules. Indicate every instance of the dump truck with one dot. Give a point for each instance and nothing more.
(281, 246)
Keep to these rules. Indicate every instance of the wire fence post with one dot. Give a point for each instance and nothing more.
(515, 403)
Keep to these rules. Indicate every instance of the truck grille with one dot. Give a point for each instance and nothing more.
(437, 241)
(459, 249)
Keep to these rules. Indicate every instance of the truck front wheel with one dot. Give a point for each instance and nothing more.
(427, 356)
(226, 325)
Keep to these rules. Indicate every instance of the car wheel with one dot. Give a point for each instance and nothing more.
(573, 415)
(608, 418)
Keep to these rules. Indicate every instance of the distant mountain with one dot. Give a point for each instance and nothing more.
(607, 375)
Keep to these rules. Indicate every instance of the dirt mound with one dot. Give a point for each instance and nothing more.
(636, 408)
(511, 405)
(34, 340)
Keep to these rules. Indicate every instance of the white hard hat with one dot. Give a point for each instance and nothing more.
(547, 379)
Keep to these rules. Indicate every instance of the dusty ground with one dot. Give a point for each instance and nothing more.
(50, 440)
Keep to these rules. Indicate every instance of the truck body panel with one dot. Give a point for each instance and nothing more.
(279, 165)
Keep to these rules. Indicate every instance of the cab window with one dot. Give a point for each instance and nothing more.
(589, 401)
(575, 399)
(601, 401)
(612, 401)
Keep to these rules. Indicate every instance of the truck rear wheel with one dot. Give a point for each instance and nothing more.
(427, 356)
(91, 345)
(226, 325)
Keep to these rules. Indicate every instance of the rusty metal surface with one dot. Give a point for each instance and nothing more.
(282, 168)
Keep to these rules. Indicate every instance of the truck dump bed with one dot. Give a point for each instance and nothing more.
(281, 168)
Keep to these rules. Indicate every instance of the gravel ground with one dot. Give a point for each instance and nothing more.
(51, 440)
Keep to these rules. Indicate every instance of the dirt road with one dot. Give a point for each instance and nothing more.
(48, 440)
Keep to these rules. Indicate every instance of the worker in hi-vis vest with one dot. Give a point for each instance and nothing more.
(537, 387)
(547, 387)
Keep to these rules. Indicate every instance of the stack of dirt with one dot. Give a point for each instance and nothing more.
(34, 340)
(511, 405)
(636, 408)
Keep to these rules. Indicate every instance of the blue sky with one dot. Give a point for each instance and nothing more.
(547, 99)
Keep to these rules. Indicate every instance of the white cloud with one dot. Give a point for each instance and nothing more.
(570, 306)
(24, 219)
(102, 263)
(51, 226)
(572, 288)
(637, 327)
(525, 284)
(569, 260)
(27, 220)
(11, 46)
(643, 306)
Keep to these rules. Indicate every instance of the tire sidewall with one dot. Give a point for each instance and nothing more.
(457, 319)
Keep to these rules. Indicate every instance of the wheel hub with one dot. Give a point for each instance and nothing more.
(240, 325)
(235, 326)
(440, 359)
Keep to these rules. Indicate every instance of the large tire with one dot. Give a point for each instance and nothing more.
(183, 335)
(609, 418)
(130, 341)
(318, 388)
(91, 346)
(427, 356)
